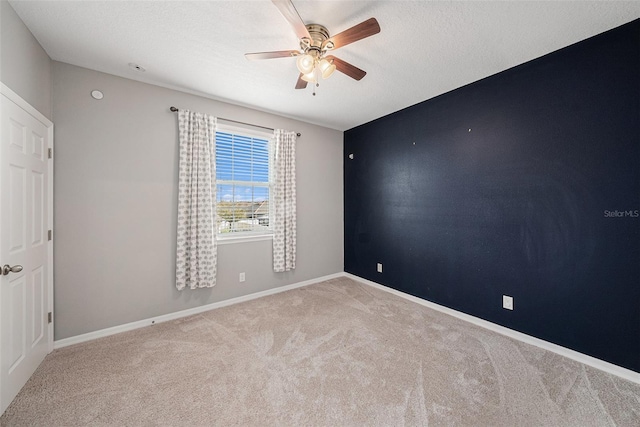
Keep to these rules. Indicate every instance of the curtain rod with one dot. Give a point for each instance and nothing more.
(175, 110)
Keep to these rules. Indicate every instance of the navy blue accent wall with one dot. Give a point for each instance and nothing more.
(526, 183)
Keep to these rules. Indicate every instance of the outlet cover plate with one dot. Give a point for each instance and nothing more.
(242, 277)
(507, 302)
(379, 267)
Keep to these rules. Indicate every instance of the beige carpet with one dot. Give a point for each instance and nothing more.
(337, 353)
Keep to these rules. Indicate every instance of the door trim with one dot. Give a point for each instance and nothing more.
(17, 99)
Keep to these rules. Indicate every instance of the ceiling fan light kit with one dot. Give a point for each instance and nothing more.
(315, 42)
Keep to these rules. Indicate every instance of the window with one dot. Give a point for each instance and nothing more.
(243, 181)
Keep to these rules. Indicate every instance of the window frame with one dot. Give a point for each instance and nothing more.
(252, 235)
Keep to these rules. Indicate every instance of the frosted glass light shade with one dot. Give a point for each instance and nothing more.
(305, 63)
(326, 68)
(309, 77)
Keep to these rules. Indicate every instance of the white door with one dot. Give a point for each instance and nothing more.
(25, 293)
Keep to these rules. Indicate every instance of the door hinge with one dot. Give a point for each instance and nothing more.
(50, 317)
(50, 153)
(50, 234)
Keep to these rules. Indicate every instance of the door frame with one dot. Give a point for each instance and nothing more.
(20, 102)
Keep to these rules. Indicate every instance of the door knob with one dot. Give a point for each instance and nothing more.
(6, 269)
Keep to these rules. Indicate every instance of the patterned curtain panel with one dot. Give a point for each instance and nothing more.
(196, 255)
(284, 201)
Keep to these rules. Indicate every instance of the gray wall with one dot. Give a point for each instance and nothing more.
(24, 65)
(115, 204)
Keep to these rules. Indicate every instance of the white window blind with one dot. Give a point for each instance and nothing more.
(243, 180)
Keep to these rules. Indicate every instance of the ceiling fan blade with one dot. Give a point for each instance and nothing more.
(301, 84)
(355, 33)
(292, 16)
(346, 68)
(270, 55)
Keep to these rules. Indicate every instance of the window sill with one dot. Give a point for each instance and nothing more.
(243, 239)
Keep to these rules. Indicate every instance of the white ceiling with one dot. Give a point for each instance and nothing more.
(425, 48)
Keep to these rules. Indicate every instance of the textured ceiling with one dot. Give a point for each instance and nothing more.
(425, 48)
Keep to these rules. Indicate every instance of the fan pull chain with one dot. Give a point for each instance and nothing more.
(317, 84)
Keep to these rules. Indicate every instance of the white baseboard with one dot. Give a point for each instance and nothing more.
(619, 371)
(184, 313)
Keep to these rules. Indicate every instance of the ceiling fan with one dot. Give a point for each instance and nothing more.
(313, 59)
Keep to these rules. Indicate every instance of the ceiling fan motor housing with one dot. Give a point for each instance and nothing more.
(319, 35)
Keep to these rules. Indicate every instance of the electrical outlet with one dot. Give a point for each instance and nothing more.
(507, 302)
(379, 267)
(242, 277)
